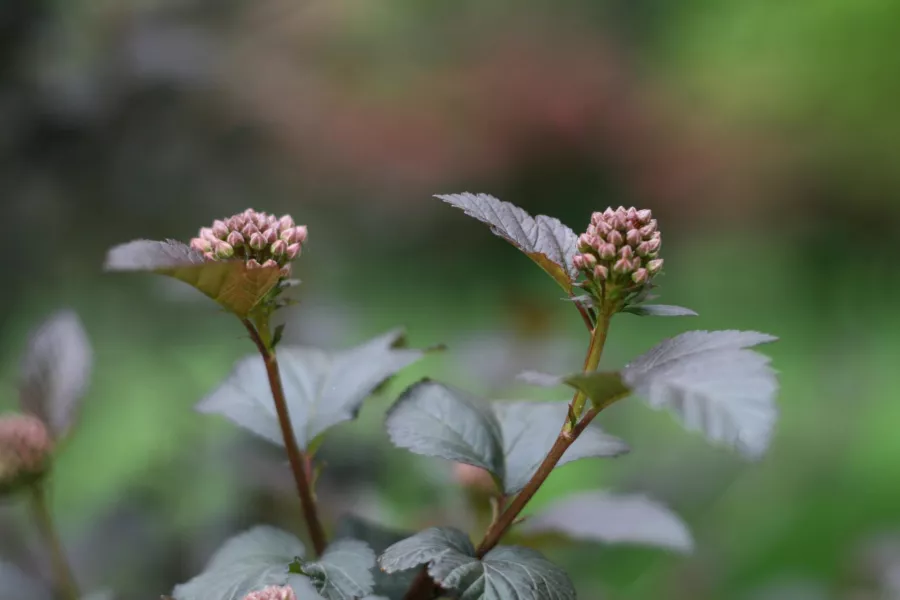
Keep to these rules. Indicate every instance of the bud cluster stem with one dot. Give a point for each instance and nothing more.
(423, 588)
(261, 335)
(63, 579)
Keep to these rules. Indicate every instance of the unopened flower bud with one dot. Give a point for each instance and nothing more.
(603, 229)
(643, 216)
(596, 218)
(622, 266)
(253, 264)
(270, 234)
(654, 266)
(649, 228)
(286, 270)
(220, 229)
(640, 276)
(626, 252)
(293, 251)
(209, 256)
(269, 264)
(634, 237)
(286, 222)
(235, 239)
(615, 238)
(601, 272)
(273, 592)
(278, 248)
(609, 213)
(584, 242)
(578, 261)
(258, 241)
(207, 234)
(201, 245)
(301, 232)
(473, 477)
(590, 261)
(607, 251)
(25, 448)
(223, 250)
(631, 213)
(249, 229)
(649, 248)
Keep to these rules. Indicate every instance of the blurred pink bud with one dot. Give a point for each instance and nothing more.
(634, 237)
(286, 270)
(649, 247)
(596, 218)
(293, 251)
(584, 242)
(209, 256)
(249, 229)
(253, 264)
(235, 239)
(609, 213)
(258, 241)
(220, 229)
(201, 245)
(269, 264)
(273, 592)
(286, 222)
(640, 276)
(578, 262)
(622, 266)
(631, 213)
(603, 229)
(649, 228)
(207, 234)
(271, 234)
(25, 447)
(626, 252)
(607, 251)
(615, 238)
(590, 261)
(601, 272)
(279, 247)
(301, 233)
(473, 477)
(636, 263)
(223, 250)
(654, 266)
(644, 216)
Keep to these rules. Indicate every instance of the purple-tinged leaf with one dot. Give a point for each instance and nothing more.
(55, 371)
(544, 239)
(230, 283)
(344, 570)
(613, 519)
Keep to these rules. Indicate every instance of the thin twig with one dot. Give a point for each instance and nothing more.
(63, 579)
(297, 458)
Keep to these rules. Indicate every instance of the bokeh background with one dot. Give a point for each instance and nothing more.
(764, 135)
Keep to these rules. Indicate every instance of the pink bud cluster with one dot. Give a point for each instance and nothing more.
(25, 447)
(273, 592)
(261, 239)
(620, 246)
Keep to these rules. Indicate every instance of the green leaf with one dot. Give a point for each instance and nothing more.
(55, 371)
(505, 573)
(602, 387)
(229, 282)
(249, 562)
(438, 420)
(659, 310)
(529, 430)
(322, 388)
(630, 519)
(544, 239)
(344, 571)
(424, 547)
(714, 384)
(392, 586)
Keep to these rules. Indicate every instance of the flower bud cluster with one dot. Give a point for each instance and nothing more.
(261, 239)
(620, 247)
(273, 592)
(25, 448)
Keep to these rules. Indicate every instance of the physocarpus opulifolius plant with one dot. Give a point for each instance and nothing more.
(25, 450)
(712, 380)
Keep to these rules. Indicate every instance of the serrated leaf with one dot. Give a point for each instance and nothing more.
(659, 310)
(55, 371)
(613, 519)
(544, 239)
(438, 420)
(229, 282)
(424, 547)
(714, 384)
(529, 430)
(344, 571)
(248, 562)
(391, 586)
(322, 388)
(14, 583)
(602, 387)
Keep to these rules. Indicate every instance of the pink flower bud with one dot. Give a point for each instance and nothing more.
(209, 256)
(601, 272)
(631, 213)
(640, 276)
(220, 229)
(235, 239)
(649, 228)
(607, 251)
(201, 245)
(622, 266)
(615, 238)
(286, 270)
(300, 233)
(654, 266)
(253, 264)
(270, 234)
(273, 592)
(473, 477)
(636, 263)
(596, 218)
(286, 222)
(603, 229)
(293, 251)
(584, 242)
(223, 249)
(590, 261)
(578, 262)
(249, 229)
(258, 241)
(25, 448)
(608, 214)
(634, 237)
(207, 234)
(279, 247)
(626, 252)
(649, 248)
(644, 216)
(269, 264)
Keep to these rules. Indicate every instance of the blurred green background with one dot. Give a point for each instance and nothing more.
(764, 135)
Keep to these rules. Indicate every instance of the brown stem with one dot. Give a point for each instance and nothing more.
(63, 579)
(296, 457)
